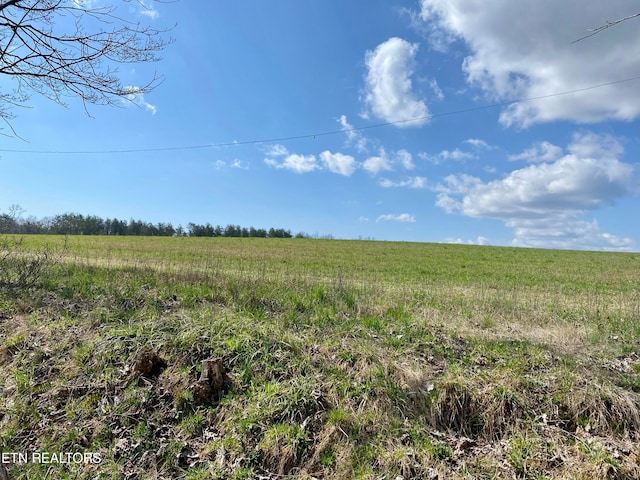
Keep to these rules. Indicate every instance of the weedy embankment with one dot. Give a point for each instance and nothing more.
(271, 358)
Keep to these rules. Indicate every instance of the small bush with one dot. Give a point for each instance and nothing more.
(23, 269)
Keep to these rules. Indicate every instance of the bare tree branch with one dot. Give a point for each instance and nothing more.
(71, 48)
(597, 30)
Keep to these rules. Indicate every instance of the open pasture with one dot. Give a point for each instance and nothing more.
(343, 359)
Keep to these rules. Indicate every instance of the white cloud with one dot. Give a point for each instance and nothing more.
(569, 183)
(135, 97)
(149, 11)
(447, 203)
(295, 163)
(338, 162)
(446, 155)
(276, 150)
(402, 217)
(220, 164)
(568, 233)
(412, 182)
(279, 157)
(377, 164)
(354, 137)
(238, 164)
(86, 4)
(478, 143)
(435, 88)
(456, 154)
(545, 203)
(524, 49)
(590, 144)
(540, 152)
(404, 158)
(386, 162)
(480, 240)
(389, 91)
(462, 183)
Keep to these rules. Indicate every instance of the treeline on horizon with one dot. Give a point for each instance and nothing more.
(77, 224)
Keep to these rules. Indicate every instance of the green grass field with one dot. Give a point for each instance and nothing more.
(343, 359)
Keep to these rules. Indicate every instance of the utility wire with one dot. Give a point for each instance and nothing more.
(321, 134)
(597, 30)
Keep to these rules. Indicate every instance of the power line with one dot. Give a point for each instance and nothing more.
(597, 30)
(321, 134)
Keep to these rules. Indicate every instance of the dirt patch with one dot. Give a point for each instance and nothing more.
(149, 364)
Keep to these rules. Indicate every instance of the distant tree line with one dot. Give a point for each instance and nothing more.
(77, 224)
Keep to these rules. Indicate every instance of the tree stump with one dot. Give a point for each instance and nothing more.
(213, 382)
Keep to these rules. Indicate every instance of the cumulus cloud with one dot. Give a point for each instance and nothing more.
(589, 144)
(354, 137)
(338, 163)
(412, 182)
(294, 162)
(402, 217)
(404, 159)
(377, 164)
(540, 152)
(446, 155)
(536, 191)
(389, 91)
(480, 240)
(477, 143)
(456, 154)
(279, 157)
(276, 150)
(567, 231)
(385, 162)
(454, 185)
(524, 50)
(545, 203)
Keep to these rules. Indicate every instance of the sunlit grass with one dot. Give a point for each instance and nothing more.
(347, 359)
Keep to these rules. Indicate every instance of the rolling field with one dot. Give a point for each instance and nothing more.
(335, 359)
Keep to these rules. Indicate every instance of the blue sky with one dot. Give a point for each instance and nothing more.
(359, 119)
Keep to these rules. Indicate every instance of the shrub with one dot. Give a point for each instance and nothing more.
(23, 269)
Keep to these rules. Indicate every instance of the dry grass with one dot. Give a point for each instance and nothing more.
(345, 360)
